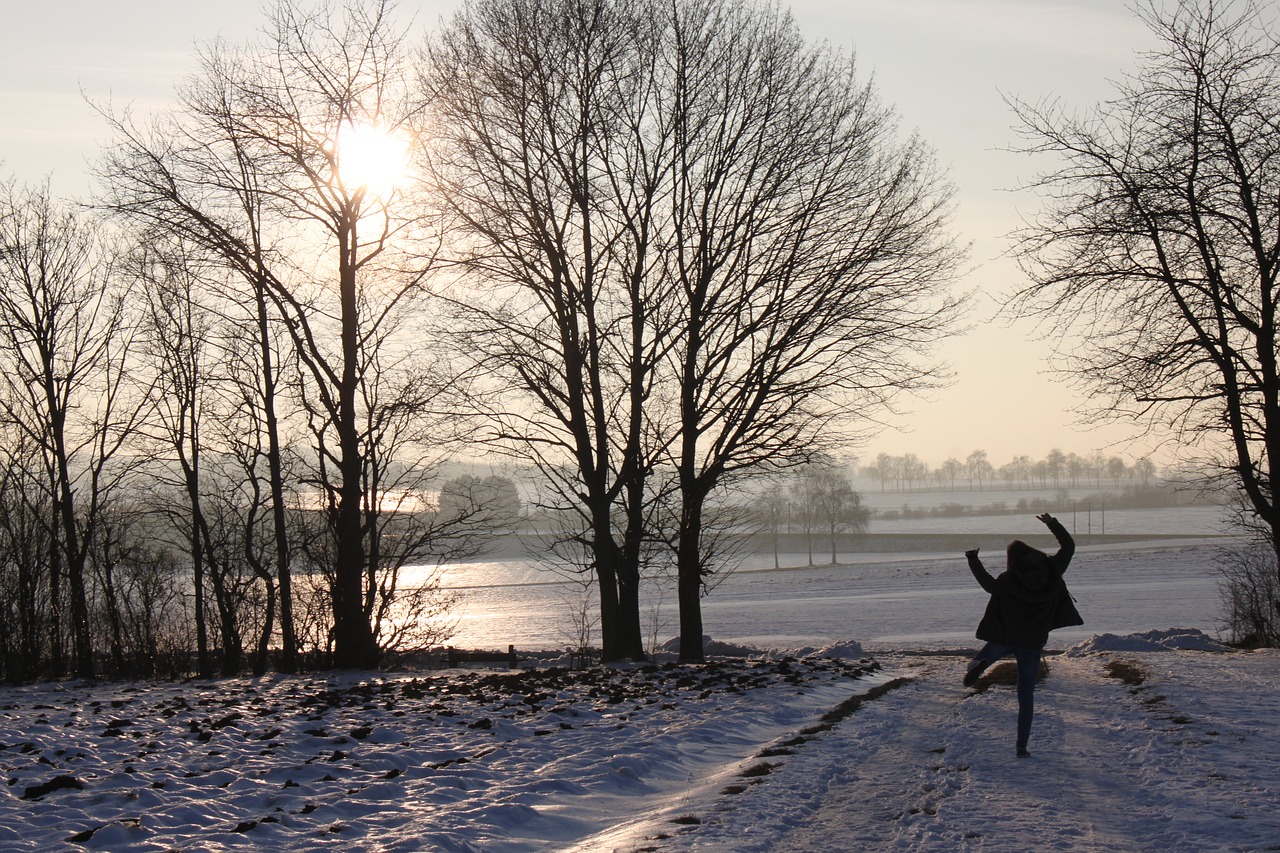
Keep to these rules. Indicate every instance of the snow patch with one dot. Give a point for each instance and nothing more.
(843, 650)
(712, 648)
(840, 650)
(1157, 640)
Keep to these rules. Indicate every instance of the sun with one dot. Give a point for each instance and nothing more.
(371, 157)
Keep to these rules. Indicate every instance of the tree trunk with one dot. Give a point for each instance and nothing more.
(284, 573)
(689, 575)
(354, 646)
(113, 615)
(82, 639)
(630, 633)
(262, 656)
(204, 664)
(232, 643)
(607, 581)
(57, 648)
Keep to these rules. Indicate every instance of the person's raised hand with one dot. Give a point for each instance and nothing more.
(1045, 518)
(971, 553)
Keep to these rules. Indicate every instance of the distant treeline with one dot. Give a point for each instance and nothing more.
(976, 471)
(1131, 496)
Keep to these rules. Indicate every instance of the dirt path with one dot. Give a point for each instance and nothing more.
(1158, 764)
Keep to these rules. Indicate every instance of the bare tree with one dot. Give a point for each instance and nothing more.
(952, 468)
(28, 568)
(261, 166)
(554, 161)
(1055, 463)
(1157, 240)
(773, 511)
(810, 246)
(977, 467)
(836, 505)
(64, 389)
(207, 444)
(176, 343)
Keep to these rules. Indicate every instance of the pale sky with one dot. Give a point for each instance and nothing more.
(942, 64)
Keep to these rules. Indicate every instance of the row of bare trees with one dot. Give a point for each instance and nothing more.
(651, 247)
(1057, 468)
(818, 501)
(153, 508)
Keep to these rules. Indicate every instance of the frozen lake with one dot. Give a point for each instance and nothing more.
(881, 600)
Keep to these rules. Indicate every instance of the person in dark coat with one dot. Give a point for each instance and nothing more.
(1028, 600)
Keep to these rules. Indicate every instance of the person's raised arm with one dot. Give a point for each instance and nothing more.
(1066, 545)
(979, 571)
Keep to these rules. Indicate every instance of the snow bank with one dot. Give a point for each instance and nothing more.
(841, 650)
(1158, 640)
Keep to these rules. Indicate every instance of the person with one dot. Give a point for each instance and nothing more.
(1028, 600)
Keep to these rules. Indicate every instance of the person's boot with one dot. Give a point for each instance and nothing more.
(975, 671)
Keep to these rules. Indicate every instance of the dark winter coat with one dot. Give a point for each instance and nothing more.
(1029, 599)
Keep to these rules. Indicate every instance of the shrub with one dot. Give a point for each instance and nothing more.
(1250, 590)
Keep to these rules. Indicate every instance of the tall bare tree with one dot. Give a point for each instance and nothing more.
(810, 245)
(261, 165)
(554, 161)
(176, 342)
(1158, 243)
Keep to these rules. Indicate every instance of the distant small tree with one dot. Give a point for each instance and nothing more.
(978, 468)
(913, 470)
(829, 502)
(1055, 463)
(492, 502)
(804, 510)
(1020, 470)
(1116, 469)
(952, 468)
(774, 507)
(885, 469)
(1076, 466)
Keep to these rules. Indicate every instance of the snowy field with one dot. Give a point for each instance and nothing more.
(1159, 742)
(885, 601)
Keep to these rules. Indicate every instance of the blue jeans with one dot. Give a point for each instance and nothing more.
(1028, 658)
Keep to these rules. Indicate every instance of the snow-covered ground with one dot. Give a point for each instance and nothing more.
(1151, 742)
(1187, 760)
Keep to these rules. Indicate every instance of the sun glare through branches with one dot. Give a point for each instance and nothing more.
(371, 157)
